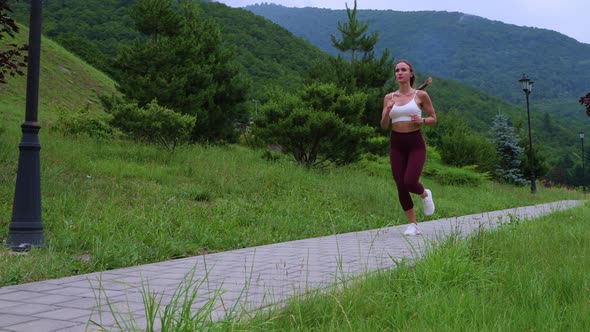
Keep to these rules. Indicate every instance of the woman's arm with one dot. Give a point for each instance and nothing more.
(426, 105)
(387, 105)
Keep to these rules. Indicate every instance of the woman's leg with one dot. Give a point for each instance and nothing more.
(415, 164)
(398, 169)
(411, 214)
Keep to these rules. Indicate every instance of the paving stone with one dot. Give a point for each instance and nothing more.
(73, 291)
(41, 325)
(4, 304)
(76, 328)
(52, 299)
(8, 320)
(20, 296)
(26, 309)
(64, 314)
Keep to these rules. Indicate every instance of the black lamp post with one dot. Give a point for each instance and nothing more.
(527, 87)
(583, 163)
(26, 226)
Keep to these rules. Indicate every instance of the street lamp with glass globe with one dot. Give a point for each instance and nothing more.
(527, 87)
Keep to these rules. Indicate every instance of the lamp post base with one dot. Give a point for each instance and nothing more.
(26, 227)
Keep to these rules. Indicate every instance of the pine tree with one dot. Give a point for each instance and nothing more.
(366, 72)
(354, 35)
(187, 70)
(155, 18)
(319, 124)
(508, 149)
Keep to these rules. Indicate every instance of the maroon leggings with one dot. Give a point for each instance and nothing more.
(407, 154)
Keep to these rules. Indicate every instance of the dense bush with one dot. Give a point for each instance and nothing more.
(153, 123)
(84, 122)
(321, 123)
(460, 146)
(465, 176)
(378, 145)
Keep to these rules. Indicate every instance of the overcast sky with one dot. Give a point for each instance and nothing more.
(570, 17)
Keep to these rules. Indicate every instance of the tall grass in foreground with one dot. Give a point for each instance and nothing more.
(112, 204)
(525, 276)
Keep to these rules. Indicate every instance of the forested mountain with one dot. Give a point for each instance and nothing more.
(482, 53)
(96, 29)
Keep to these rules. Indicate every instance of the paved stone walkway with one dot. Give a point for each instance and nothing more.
(235, 281)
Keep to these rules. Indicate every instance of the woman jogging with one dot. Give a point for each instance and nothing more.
(407, 153)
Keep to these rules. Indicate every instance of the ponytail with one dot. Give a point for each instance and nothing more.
(425, 84)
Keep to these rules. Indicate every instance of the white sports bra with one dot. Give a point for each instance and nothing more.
(402, 113)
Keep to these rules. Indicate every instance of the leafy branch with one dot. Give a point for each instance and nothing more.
(13, 59)
(585, 100)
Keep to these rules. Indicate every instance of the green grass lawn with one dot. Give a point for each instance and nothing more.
(111, 204)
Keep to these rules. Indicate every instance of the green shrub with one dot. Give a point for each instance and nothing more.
(153, 124)
(378, 145)
(465, 176)
(374, 165)
(250, 140)
(462, 148)
(432, 154)
(84, 122)
(319, 124)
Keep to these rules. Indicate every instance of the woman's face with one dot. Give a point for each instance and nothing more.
(403, 72)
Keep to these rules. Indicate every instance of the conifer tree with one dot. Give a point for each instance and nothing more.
(354, 35)
(155, 18)
(365, 72)
(319, 124)
(508, 149)
(187, 70)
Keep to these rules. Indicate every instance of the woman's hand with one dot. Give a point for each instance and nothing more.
(387, 105)
(416, 118)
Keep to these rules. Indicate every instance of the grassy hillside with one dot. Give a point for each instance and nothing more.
(65, 81)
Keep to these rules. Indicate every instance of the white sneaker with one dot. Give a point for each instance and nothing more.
(428, 203)
(412, 230)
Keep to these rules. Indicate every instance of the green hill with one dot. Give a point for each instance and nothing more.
(96, 29)
(482, 53)
(65, 81)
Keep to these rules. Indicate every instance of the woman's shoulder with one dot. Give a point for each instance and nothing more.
(422, 93)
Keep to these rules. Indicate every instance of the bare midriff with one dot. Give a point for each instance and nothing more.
(405, 126)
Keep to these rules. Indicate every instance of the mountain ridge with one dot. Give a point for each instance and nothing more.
(487, 54)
